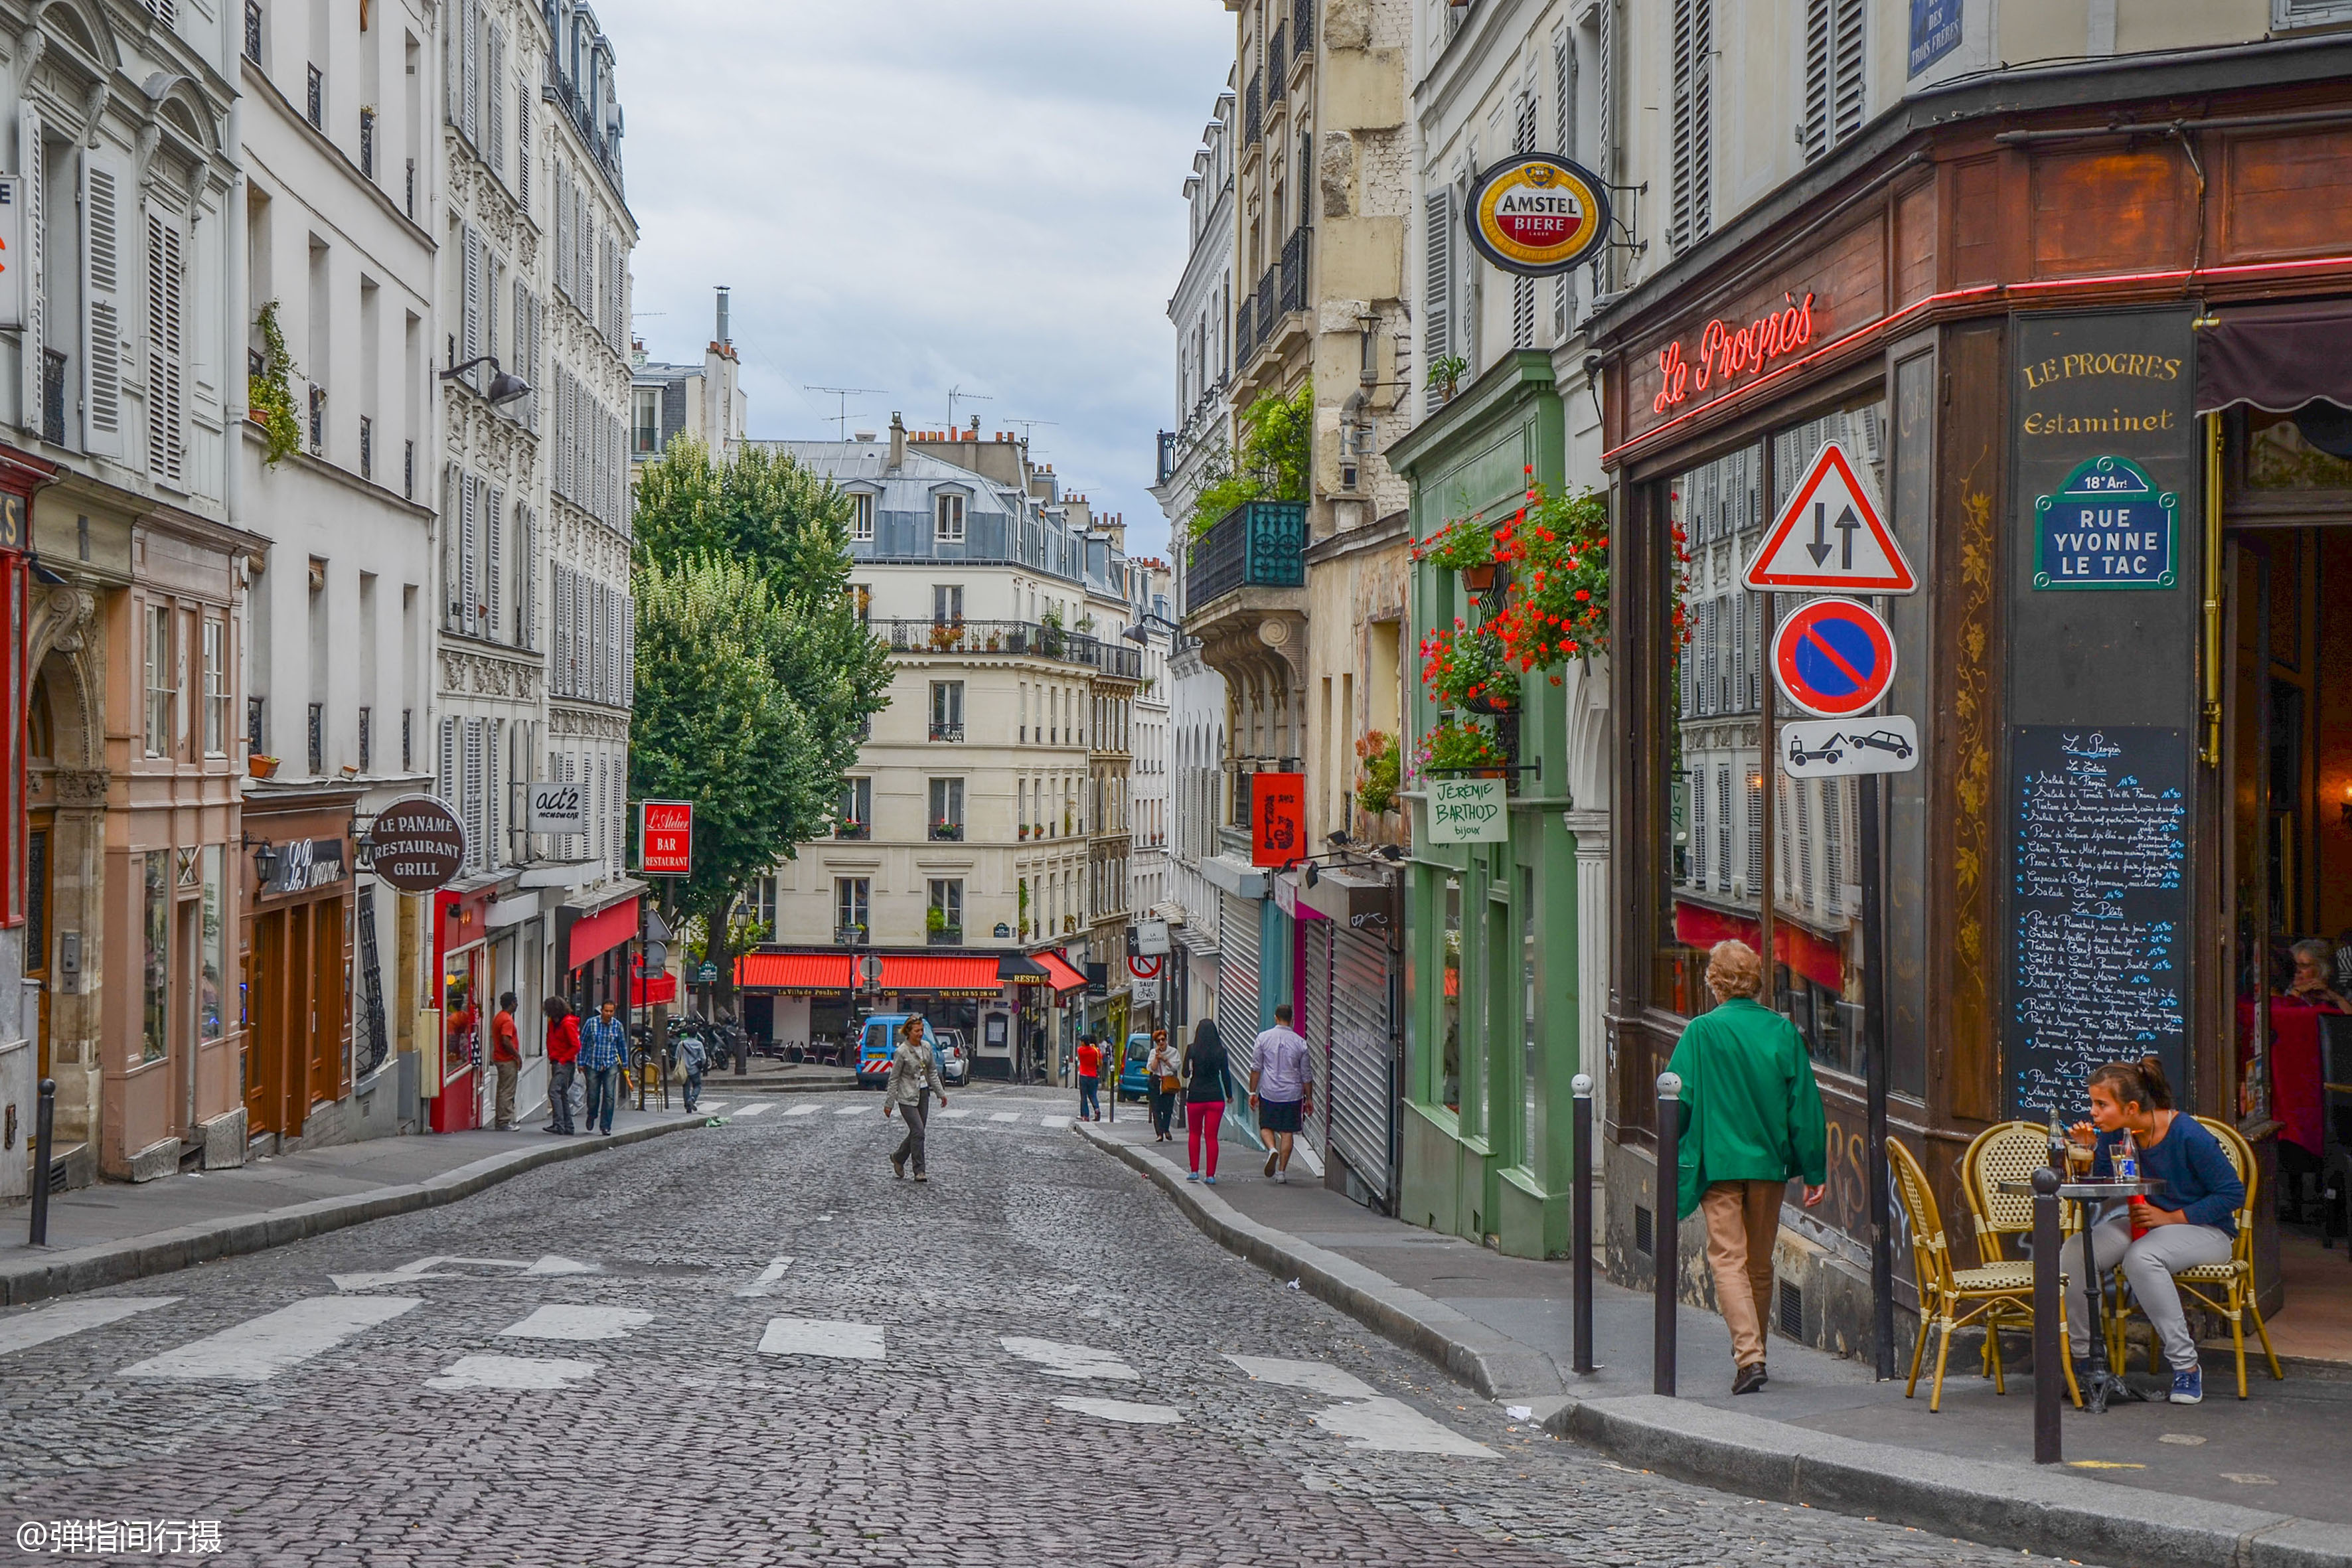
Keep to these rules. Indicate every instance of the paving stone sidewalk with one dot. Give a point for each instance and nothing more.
(2278, 1453)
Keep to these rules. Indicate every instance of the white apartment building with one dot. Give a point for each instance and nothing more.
(1148, 594)
(339, 268)
(533, 673)
(972, 833)
(1201, 310)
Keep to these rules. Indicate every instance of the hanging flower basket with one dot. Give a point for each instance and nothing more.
(1478, 579)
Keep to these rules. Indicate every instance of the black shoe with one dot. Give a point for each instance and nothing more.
(1749, 1380)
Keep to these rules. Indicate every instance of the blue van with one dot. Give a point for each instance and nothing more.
(1134, 1078)
(877, 1042)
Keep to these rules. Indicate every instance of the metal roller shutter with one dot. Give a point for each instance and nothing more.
(1314, 1006)
(1363, 1095)
(1237, 983)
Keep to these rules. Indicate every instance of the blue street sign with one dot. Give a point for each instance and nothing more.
(2108, 527)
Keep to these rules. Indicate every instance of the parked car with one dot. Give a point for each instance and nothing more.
(955, 1058)
(1134, 1082)
(877, 1042)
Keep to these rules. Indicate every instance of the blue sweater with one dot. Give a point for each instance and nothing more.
(2199, 1181)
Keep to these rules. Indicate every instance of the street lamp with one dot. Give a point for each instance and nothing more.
(504, 387)
(1140, 633)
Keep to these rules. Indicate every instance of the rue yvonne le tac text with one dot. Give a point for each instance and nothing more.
(2126, 552)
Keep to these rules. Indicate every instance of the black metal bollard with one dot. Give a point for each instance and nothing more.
(1581, 1207)
(1665, 1234)
(2048, 1347)
(44, 1126)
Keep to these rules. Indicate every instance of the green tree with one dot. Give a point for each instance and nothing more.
(715, 724)
(1278, 451)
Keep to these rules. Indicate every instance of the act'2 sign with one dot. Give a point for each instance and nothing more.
(665, 837)
(558, 808)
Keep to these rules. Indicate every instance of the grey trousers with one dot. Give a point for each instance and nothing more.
(917, 1115)
(2149, 1264)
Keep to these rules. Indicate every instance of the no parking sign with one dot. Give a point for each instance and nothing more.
(1833, 658)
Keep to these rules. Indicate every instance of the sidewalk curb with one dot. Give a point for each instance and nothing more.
(1475, 1353)
(1991, 1501)
(168, 1251)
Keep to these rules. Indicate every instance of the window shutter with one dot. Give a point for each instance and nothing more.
(530, 578)
(470, 321)
(448, 782)
(166, 436)
(560, 676)
(1846, 106)
(32, 177)
(523, 144)
(493, 563)
(476, 828)
(493, 841)
(494, 101)
(470, 554)
(470, 13)
(1437, 312)
(1814, 129)
(102, 294)
(1692, 216)
(629, 666)
(1563, 68)
(562, 230)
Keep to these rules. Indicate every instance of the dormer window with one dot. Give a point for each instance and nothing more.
(947, 514)
(861, 517)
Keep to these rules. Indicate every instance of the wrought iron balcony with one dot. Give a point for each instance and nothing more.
(1243, 341)
(1302, 24)
(53, 397)
(1279, 57)
(1268, 286)
(946, 936)
(1258, 544)
(1027, 640)
(947, 832)
(1294, 269)
(852, 831)
(1254, 111)
(947, 731)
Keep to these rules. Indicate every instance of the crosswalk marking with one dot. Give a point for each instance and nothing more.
(767, 1277)
(527, 1372)
(23, 1330)
(1055, 1121)
(1393, 1427)
(806, 1109)
(1314, 1376)
(1121, 1410)
(255, 1350)
(1015, 1116)
(1061, 1360)
(710, 1108)
(575, 1322)
(749, 1111)
(821, 1337)
(952, 1115)
(851, 1110)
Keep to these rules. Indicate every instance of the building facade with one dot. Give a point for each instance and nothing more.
(1979, 317)
(702, 402)
(1147, 875)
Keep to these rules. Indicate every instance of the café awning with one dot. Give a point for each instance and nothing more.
(1059, 972)
(795, 974)
(1017, 969)
(956, 975)
(2276, 357)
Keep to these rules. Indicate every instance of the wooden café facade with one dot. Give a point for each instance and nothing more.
(2087, 334)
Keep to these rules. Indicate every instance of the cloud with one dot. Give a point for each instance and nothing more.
(915, 195)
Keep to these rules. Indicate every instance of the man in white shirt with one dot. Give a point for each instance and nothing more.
(1281, 1090)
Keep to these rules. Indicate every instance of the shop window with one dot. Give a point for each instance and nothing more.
(163, 691)
(1530, 1034)
(2304, 450)
(213, 948)
(1449, 1012)
(156, 957)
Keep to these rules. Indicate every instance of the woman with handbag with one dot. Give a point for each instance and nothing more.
(1163, 1069)
(1204, 1097)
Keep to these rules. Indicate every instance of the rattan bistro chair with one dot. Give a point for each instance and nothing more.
(2005, 1152)
(1986, 1296)
(2225, 1290)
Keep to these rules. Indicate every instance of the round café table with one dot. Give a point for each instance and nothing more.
(2103, 1383)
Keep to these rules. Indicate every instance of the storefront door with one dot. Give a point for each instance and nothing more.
(267, 1004)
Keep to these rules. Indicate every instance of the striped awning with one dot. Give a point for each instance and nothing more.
(795, 974)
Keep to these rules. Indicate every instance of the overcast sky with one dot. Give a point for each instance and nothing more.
(915, 195)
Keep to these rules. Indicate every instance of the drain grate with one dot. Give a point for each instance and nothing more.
(1645, 1240)
(1793, 1309)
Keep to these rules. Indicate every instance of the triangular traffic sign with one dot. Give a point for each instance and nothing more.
(1830, 538)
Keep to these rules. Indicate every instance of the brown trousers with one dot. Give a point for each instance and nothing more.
(1743, 1221)
(503, 1114)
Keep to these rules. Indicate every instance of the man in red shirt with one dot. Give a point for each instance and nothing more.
(506, 1059)
(1089, 1080)
(562, 1051)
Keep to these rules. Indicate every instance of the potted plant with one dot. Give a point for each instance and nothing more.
(262, 766)
(947, 832)
(1557, 607)
(1466, 545)
(946, 635)
(1383, 756)
(1466, 667)
(1460, 746)
(1445, 375)
(270, 394)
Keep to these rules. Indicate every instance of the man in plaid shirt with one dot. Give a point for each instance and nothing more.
(603, 1047)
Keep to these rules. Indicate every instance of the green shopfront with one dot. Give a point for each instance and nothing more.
(1493, 928)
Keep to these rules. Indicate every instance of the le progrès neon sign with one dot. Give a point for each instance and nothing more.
(1727, 352)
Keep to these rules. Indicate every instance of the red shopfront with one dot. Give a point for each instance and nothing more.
(469, 988)
(592, 933)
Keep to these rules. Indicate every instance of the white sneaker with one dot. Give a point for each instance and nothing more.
(1283, 1177)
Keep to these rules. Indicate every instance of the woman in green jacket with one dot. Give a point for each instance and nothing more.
(1751, 1121)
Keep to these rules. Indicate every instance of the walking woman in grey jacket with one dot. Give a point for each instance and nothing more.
(913, 1078)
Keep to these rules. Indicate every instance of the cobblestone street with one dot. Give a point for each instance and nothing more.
(383, 1423)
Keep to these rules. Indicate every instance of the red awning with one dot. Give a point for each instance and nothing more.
(594, 935)
(797, 972)
(960, 976)
(1064, 977)
(1816, 958)
(643, 993)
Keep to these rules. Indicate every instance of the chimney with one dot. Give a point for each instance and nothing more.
(723, 339)
(898, 443)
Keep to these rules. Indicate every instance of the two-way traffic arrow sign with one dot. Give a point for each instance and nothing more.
(1830, 538)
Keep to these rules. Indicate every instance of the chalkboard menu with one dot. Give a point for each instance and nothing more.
(2098, 907)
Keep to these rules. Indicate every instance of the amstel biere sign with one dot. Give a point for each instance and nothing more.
(1537, 215)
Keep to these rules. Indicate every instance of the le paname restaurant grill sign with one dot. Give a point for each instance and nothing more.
(1537, 215)
(417, 843)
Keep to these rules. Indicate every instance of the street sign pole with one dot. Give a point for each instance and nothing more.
(1873, 1033)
